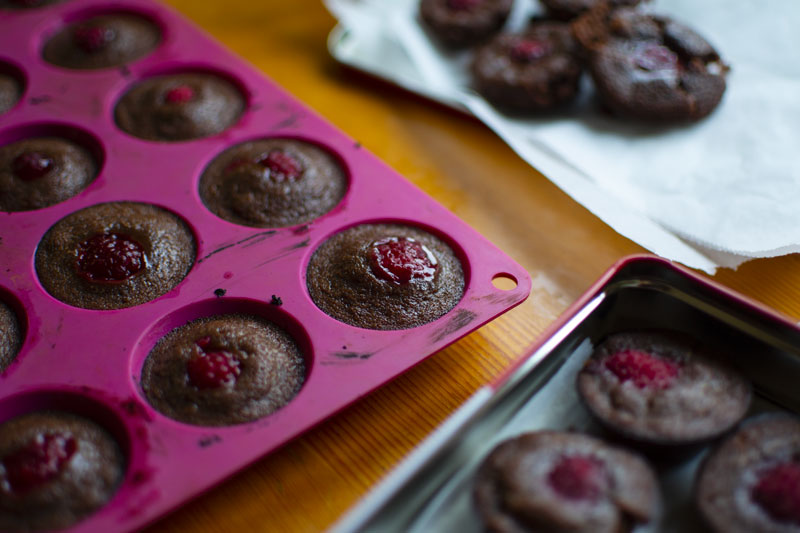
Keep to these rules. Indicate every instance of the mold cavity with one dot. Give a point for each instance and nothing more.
(45, 164)
(223, 362)
(115, 255)
(13, 328)
(386, 276)
(273, 182)
(504, 282)
(64, 456)
(12, 86)
(102, 40)
(180, 106)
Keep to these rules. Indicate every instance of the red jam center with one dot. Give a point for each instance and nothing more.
(39, 461)
(463, 4)
(31, 165)
(526, 50)
(400, 260)
(778, 492)
(644, 369)
(578, 477)
(179, 95)
(110, 258)
(92, 39)
(654, 57)
(211, 368)
(282, 166)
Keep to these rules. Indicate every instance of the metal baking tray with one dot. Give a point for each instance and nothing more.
(431, 489)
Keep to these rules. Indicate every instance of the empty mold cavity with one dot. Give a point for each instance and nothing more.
(274, 182)
(115, 255)
(46, 163)
(13, 328)
(64, 456)
(223, 362)
(94, 39)
(181, 105)
(387, 275)
(12, 85)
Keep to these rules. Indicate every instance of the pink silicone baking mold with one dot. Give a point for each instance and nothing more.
(89, 361)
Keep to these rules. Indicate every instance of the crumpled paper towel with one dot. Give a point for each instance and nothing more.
(711, 194)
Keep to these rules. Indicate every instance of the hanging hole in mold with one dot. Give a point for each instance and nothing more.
(504, 282)
(223, 362)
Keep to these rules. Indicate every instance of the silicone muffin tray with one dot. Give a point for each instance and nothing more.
(431, 490)
(89, 361)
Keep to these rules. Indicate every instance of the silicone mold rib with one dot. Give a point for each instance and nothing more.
(89, 361)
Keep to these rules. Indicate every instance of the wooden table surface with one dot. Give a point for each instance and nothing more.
(306, 485)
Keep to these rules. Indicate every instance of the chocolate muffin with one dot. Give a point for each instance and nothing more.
(179, 107)
(10, 92)
(223, 370)
(43, 171)
(662, 389)
(650, 67)
(55, 469)
(751, 481)
(385, 276)
(10, 336)
(569, 9)
(564, 482)
(273, 183)
(26, 4)
(103, 41)
(536, 70)
(114, 255)
(459, 23)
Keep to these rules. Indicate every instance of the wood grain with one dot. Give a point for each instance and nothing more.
(307, 484)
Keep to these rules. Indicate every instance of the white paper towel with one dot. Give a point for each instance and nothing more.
(711, 194)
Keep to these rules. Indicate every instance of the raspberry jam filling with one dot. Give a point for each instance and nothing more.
(181, 94)
(654, 57)
(642, 368)
(526, 50)
(109, 258)
(282, 166)
(578, 477)
(463, 4)
(400, 260)
(212, 368)
(39, 461)
(31, 165)
(92, 39)
(778, 492)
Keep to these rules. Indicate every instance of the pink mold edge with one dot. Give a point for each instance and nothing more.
(89, 361)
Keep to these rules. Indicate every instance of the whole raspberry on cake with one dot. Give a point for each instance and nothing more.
(662, 389)
(115, 255)
(55, 469)
(555, 482)
(223, 370)
(385, 276)
(273, 183)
